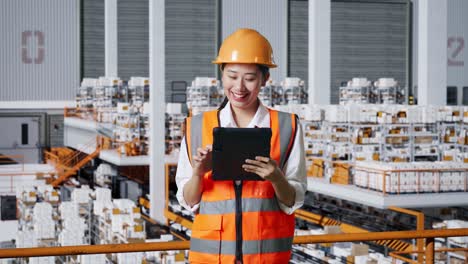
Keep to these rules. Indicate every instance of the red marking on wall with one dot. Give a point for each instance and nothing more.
(25, 36)
(28, 36)
(455, 46)
(40, 43)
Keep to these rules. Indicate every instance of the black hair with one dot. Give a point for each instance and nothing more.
(263, 69)
(224, 103)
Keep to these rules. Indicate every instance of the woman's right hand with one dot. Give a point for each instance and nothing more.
(202, 161)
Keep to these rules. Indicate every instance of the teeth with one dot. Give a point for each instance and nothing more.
(239, 95)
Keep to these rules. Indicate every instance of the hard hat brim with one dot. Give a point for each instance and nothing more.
(269, 65)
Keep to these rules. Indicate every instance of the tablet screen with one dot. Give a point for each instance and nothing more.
(232, 146)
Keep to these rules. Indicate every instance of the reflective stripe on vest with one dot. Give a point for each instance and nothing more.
(193, 131)
(267, 231)
(248, 205)
(248, 247)
(287, 128)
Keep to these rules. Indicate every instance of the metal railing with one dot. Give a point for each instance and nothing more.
(17, 170)
(82, 113)
(5, 159)
(396, 254)
(122, 148)
(419, 225)
(428, 235)
(435, 172)
(19, 159)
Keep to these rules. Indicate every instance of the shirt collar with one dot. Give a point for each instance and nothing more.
(260, 119)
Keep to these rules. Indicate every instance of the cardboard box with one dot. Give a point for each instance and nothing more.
(456, 261)
(359, 249)
(341, 173)
(316, 169)
(330, 230)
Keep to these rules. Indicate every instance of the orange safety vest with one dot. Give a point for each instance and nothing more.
(265, 234)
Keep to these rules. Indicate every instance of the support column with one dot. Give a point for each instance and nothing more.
(319, 51)
(429, 250)
(432, 52)
(157, 71)
(110, 38)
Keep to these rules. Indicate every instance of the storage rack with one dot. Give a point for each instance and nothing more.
(106, 93)
(366, 139)
(38, 219)
(116, 222)
(396, 143)
(144, 130)
(449, 147)
(25, 215)
(127, 130)
(357, 91)
(179, 219)
(389, 92)
(174, 127)
(339, 138)
(104, 174)
(456, 257)
(85, 211)
(315, 147)
(138, 92)
(338, 155)
(84, 97)
(269, 94)
(293, 91)
(463, 136)
(452, 242)
(106, 98)
(450, 121)
(204, 92)
(362, 91)
(425, 142)
(383, 133)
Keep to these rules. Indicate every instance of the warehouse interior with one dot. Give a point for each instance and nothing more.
(95, 94)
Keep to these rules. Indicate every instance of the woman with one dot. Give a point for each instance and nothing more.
(243, 221)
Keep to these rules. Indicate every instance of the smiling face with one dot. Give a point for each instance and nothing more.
(242, 83)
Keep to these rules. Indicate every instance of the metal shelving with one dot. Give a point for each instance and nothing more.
(357, 91)
(425, 142)
(366, 139)
(396, 143)
(204, 92)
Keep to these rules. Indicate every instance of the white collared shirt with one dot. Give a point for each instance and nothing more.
(294, 169)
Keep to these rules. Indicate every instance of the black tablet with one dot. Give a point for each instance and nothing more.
(232, 146)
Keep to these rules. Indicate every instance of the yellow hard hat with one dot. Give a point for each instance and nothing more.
(246, 46)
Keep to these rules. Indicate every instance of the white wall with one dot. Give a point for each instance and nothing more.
(414, 51)
(8, 230)
(457, 45)
(269, 17)
(9, 184)
(457, 50)
(432, 52)
(39, 50)
(319, 52)
(11, 138)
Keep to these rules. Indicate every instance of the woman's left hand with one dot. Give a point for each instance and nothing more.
(264, 167)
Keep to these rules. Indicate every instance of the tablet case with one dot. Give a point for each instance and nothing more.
(232, 146)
